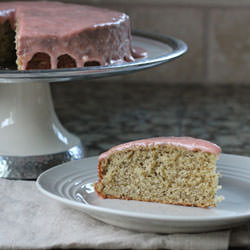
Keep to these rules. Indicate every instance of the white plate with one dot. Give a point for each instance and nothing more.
(70, 183)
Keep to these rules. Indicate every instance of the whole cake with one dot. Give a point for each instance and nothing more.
(171, 170)
(50, 35)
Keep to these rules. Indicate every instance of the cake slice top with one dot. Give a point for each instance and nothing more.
(191, 144)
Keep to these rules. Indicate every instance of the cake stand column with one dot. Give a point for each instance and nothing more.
(31, 137)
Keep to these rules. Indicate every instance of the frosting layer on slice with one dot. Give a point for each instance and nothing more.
(189, 143)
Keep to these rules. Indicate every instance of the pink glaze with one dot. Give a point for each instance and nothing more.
(189, 143)
(85, 33)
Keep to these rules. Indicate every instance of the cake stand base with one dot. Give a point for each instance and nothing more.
(30, 167)
(31, 137)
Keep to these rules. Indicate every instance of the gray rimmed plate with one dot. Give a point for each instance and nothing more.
(71, 184)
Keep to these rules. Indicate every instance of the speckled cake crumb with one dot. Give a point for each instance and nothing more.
(171, 170)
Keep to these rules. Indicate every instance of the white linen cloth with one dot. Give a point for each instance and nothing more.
(30, 220)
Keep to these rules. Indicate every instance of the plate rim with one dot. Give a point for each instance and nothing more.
(178, 47)
(145, 216)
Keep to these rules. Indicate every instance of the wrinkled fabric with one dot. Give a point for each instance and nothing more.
(30, 220)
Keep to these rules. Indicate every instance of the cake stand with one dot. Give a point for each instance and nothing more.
(31, 137)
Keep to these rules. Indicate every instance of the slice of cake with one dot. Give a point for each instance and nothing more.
(171, 170)
(50, 35)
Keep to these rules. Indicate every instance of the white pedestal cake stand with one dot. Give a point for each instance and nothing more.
(31, 137)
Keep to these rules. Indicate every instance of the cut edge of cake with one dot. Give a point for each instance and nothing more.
(164, 170)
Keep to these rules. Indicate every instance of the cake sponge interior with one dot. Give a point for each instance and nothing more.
(166, 174)
(8, 55)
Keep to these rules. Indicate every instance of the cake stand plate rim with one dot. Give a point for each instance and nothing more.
(176, 48)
